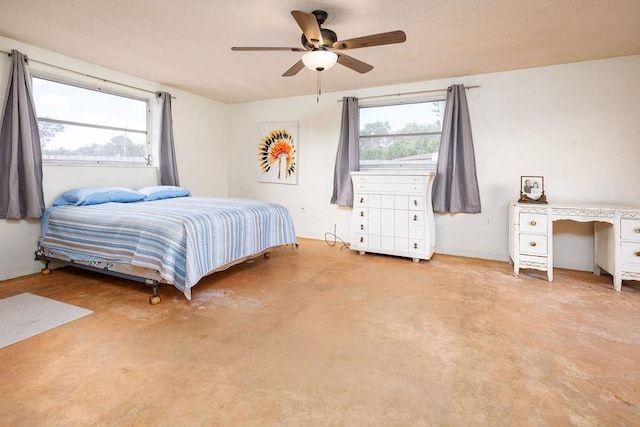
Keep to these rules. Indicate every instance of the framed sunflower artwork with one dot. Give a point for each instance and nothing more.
(278, 152)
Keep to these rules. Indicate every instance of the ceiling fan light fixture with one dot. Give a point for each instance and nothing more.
(319, 60)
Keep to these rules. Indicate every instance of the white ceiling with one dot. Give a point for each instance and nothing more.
(186, 44)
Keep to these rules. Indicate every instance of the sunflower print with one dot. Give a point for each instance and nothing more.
(276, 147)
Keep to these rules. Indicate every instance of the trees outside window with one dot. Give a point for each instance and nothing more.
(82, 125)
(400, 134)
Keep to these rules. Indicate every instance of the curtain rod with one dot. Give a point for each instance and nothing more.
(87, 75)
(411, 93)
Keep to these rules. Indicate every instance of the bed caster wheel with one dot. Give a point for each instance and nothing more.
(267, 255)
(45, 271)
(154, 299)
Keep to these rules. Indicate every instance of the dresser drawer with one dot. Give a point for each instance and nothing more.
(362, 227)
(416, 203)
(401, 245)
(401, 202)
(391, 179)
(416, 232)
(360, 214)
(417, 246)
(630, 253)
(533, 223)
(533, 244)
(362, 241)
(416, 218)
(360, 201)
(630, 229)
(389, 188)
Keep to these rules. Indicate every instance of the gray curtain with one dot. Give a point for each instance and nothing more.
(348, 157)
(455, 188)
(21, 193)
(168, 165)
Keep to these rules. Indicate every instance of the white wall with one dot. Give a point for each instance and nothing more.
(575, 124)
(200, 132)
(578, 125)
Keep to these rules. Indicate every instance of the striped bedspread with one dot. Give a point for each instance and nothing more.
(182, 238)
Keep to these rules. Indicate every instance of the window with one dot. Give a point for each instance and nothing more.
(401, 134)
(80, 125)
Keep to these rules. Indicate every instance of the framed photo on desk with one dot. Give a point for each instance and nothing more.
(532, 189)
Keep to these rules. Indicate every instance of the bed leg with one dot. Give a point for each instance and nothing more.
(267, 255)
(155, 298)
(46, 270)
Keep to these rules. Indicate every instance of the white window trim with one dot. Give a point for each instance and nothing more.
(84, 81)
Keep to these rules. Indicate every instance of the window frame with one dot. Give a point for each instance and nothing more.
(109, 88)
(434, 97)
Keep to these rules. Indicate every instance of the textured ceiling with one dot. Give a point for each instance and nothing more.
(186, 44)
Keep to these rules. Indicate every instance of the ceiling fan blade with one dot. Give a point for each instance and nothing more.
(372, 40)
(309, 26)
(295, 69)
(354, 64)
(251, 49)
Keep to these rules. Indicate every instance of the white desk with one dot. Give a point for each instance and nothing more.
(616, 233)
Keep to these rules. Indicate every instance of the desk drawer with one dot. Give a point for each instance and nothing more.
(630, 253)
(533, 244)
(630, 229)
(533, 223)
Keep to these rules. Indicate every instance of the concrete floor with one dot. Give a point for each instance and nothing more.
(323, 336)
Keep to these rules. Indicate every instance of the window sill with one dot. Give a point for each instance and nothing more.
(97, 164)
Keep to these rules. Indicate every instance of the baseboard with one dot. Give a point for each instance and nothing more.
(20, 271)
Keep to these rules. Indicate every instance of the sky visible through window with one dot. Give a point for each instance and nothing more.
(399, 115)
(70, 103)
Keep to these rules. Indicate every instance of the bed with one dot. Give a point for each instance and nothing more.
(159, 234)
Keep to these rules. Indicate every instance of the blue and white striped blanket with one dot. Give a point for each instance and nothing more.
(182, 238)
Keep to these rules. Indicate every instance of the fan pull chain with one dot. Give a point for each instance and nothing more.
(319, 86)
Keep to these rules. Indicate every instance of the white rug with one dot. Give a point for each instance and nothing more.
(25, 315)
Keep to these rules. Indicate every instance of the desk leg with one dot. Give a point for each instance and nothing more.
(516, 267)
(550, 274)
(617, 283)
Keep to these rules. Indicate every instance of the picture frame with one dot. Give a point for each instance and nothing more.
(278, 152)
(532, 189)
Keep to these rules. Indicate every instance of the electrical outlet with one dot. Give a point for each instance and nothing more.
(488, 221)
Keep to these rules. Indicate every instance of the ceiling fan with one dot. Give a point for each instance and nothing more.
(323, 47)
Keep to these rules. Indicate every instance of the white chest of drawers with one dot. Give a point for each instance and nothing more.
(392, 213)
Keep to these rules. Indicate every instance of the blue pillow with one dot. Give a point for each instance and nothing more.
(160, 192)
(95, 195)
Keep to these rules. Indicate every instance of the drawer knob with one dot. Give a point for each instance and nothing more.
(361, 199)
(636, 230)
(638, 253)
(415, 246)
(533, 223)
(362, 240)
(532, 244)
(415, 202)
(415, 217)
(361, 213)
(361, 226)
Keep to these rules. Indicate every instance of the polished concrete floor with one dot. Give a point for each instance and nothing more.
(324, 336)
